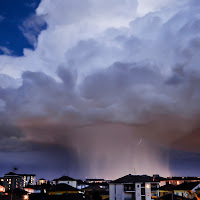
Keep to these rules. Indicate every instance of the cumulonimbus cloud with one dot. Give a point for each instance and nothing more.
(88, 70)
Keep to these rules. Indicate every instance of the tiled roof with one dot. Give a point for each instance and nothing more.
(133, 179)
(187, 186)
(65, 178)
(168, 187)
(62, 187)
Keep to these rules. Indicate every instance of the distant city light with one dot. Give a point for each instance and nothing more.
(26, 197)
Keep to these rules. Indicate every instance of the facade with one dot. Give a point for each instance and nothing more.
(166, 189)
(42, 181)
(28, 179)
(133, 187)
(67, 180)
(14, 181)
(81, 184)
(175, 180)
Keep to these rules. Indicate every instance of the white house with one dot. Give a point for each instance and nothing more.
(66, 180)
(133, 187)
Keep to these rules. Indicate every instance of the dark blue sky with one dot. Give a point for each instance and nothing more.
(12, 16)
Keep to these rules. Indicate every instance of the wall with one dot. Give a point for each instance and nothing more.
(71, 183)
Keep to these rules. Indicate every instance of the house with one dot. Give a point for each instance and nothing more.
(94, 188)
(175, 180)
(42, 181)
(34, 189)
(133, 187)
(62, 188)
(81, 184)
(66, 180)
(172, 197)
(166, 189)
(187, 189)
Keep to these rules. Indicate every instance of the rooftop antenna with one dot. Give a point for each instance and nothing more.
(15, 169)
(134, 171)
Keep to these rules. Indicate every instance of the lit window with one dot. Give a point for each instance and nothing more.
(147, 186)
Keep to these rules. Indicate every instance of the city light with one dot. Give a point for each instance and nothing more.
(26, 197)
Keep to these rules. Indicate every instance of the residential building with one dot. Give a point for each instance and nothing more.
(42, 181)
(34, 189)
(62, 188)
(187, 189)
(66, 180)
(172, 197)
(12, 181)
(133, 187)
(95, 181)
(81, 184)
(28, 179)
(166, 189)
(175, 180)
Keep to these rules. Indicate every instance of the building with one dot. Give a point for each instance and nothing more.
(61, 189)
(15, 181)
(95, 181)
(172, 197)
(42, 181)
(81, 184)
(12, 181)
(96, 189)
(28, 179)
(66, 180)
(133, 187)
(175, 180)
(187, 189)
(34, 189)
(166, 189)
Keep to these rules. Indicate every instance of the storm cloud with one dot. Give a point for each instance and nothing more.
(106, 76)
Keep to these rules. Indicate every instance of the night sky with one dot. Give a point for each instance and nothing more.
(100, 88)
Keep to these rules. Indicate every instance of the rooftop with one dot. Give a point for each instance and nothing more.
(168, 187)
(182, 178)
(172, 196)
(62, 187)
(65, 178)
(187, 185)
(133, 179)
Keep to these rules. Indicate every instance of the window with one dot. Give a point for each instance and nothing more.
(142, 184)
(154, 186)
(142, 191)
(129, 187)
(143, 198)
